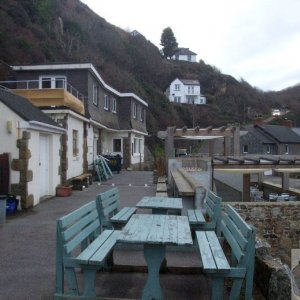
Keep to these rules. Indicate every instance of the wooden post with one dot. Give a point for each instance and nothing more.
(246, 187)
(285, 181)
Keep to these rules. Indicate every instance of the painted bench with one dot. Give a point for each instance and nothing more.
(212, 207)
(108, 206)
(79, 244)
(239, 237)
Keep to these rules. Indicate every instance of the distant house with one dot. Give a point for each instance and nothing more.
(269, 139)
(185, 91)
(99, 119)
(185, 54)
(32, 141)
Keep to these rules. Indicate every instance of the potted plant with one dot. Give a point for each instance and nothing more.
(63, 190)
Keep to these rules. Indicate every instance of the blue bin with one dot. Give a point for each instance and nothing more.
(11, 205)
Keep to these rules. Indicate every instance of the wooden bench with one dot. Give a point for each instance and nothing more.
(81, 181)
(240, 237)
(181, 187)
(79, 244)
(212, 207)
(108, 206)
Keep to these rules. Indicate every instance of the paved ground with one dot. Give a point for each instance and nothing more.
(27, 250)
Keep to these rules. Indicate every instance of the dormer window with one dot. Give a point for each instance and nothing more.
(106, 102)
(134, 109)
(52, 82)
(96, 94)
(114, 105)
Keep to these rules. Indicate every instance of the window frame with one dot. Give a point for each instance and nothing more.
(53, 81)
(106, 102)
(75, 142)
(245, 148)
(114, 105)
(120, 145)
(177, 86)
(134, 110)
(96, 94)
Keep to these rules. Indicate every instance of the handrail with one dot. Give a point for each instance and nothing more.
(36, 84)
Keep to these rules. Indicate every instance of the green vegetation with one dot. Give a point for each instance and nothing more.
(168, 41)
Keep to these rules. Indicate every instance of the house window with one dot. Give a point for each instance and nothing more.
(134, 108)
(142, 114)
(106, 102)
(189, 57)
(177, 87)
(286, 149)
(190, 90)
(245, 148)
(177, 99)
(137, 146)
(116, 145)
(96, 94)
(75, 142)
(52, 82)
(114, 105)
(268, 149)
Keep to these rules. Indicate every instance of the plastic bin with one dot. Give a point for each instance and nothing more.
(114, 162)
(2, 208)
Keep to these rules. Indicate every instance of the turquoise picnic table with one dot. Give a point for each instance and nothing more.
(155, 232)
(161, 205)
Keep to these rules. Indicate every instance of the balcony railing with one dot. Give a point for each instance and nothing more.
(42, 84)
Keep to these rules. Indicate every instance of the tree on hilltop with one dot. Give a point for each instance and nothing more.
(168, 41)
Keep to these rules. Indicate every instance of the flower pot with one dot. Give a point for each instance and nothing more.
(63, 191)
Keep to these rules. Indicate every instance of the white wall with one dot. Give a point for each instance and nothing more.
(90, 145)
(9, 140)
(75, 163)
(136, 157)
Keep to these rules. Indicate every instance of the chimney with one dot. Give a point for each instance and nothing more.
(258, 121)
(287, 123)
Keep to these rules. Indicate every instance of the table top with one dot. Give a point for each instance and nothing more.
(157, 229)
(160, 202)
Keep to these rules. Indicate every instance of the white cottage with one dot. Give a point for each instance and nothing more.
(32, 141)
(185, 54)
(185, 91)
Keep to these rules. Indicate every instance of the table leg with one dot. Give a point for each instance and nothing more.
(154, 255)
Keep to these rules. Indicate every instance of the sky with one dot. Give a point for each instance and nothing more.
(254, 40)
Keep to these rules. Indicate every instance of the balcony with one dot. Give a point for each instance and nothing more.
(61, 94)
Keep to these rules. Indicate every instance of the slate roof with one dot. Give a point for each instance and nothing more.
(274, 133)
(190, 82)
(24, 108)
(184, 51)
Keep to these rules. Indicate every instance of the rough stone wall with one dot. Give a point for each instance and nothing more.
(278, 223)
(26, 175)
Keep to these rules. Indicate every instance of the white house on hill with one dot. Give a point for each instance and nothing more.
(184, 54)
(185, 91)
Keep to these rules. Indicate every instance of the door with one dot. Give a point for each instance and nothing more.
(4, 174)
(44, 165)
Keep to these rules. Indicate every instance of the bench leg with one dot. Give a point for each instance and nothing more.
(217, 288)
(72, 281)
(236, 288)
(154, 255)
(89, 275)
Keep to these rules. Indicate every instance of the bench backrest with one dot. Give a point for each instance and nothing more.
(77, 228)
(239, 235)
(212, 207)
(74, 231)
(108, 205)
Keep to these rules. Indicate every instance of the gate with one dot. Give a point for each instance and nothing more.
(4, 174)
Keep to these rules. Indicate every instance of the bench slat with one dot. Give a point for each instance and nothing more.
(184, 188)
(124, 214)
(196, 216)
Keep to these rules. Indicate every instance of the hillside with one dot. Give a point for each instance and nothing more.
(51, 31)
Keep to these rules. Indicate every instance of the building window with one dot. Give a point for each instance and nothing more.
(268, 149)
(190, 90)
(286, 149)
(52, 82)
(116, 145)
(142, 114)
(137, 146)
(75, 143)
(114, 105)
(106, 102)
(96, 94)
(245, 148)
(177, 99)
(134, 108)
(177, 87)
(189, 57)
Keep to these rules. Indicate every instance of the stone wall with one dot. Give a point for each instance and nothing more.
(277, 222)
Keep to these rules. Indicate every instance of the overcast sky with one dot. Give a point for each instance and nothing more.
(257, 40)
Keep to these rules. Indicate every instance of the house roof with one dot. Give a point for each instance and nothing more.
(184, 51)
(78, 66)
(272, 133)
(23, 108)
(190, 82)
